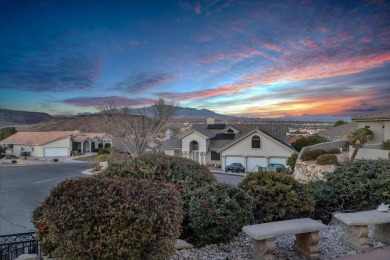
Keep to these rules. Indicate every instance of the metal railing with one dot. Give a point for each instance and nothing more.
(14, 245)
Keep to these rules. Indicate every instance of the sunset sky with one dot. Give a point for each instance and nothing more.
(245, 58)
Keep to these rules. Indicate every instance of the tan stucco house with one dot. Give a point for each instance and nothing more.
(378, 123)
(223, 144)
(53, 143)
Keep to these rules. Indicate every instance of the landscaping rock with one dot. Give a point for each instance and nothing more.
(181, 244)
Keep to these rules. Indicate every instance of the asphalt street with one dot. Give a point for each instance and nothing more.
(23, 188)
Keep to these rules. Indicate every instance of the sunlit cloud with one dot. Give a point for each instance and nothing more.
(316, 68)
(207, 93)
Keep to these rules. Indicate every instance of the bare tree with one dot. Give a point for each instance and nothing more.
(137, 127)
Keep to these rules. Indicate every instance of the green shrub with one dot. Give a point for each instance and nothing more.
(187, 176)
(102, 218)
(14, 161)
(354, 186)
(277, 196)
(333, 151)
(106, 150)
(292, 160)
(102, 157)
(218, 212)
(55, 160)
(308, 141)
(327, 159)
(386, 145)
(312, 155)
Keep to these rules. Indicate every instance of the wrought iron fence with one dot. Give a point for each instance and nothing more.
(14, 245)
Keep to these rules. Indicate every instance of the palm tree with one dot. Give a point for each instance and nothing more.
(359, 137)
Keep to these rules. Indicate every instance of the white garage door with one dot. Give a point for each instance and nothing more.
(47, 152)
(278, 160)
(234, 159)
(253, 162)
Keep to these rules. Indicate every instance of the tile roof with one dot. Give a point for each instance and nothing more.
(85, 136)
(37, 138)
(172, 143)
(385, 114)
(340, 131)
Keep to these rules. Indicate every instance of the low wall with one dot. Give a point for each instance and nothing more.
(373, 154)
(311, 171)
(324, 146)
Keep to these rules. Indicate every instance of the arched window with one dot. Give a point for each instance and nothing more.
(194, 146)
(255, 141)
(230, 131)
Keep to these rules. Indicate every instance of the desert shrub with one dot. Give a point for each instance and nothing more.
(386, 145)
(333, 151)
(327, 159)
(292, 160)
(106, 150)
(354, 186)
(308, 141)
(218, 212)
(312, 155)
(187, 176)
(277, 196)
(102, 218)
(102, 158)
(14, 161)
(55, 160)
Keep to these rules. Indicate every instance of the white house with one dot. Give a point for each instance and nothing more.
(378, 123)
(53, 143)
(222, 144)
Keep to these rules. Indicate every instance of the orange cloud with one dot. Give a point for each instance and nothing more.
(237, 56)
(322, 69)
(205, 93)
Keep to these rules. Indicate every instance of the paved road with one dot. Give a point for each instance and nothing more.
(22, 188)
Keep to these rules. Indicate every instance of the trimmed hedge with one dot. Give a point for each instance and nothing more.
(101, 218)
(187, 176)
(278, 196)
(326, 159)
(218, 212)
(312, 155)
(354, 186)
(333, 151)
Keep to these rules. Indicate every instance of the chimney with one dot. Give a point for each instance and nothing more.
(168, 134)
(210, 120)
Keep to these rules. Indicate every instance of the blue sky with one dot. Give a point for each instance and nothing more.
(246, 58)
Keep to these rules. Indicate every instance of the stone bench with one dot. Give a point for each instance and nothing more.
(306, 231)
(355, 226)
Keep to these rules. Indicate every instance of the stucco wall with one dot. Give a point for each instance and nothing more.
(193, 137)
(373, 154)
(33, 149)
(376, 128)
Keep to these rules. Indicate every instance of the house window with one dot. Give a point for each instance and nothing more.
(215, 156)
(194, 146)
(256, 142)
(32, 149)
(367, 126)
(22, 149)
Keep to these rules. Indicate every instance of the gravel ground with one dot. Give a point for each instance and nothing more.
(330, 247)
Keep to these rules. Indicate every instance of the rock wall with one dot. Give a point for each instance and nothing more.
(306, 171)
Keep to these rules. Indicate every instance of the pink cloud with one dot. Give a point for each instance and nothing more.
(207, 93)
(206, 38)
(316, 68)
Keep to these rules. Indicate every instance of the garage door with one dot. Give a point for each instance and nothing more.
(254, 162)
(234, 159)
(278, 160)
(60, 151)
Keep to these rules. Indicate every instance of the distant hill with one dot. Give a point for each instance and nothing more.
(15, 118)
